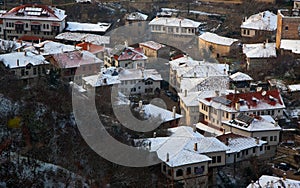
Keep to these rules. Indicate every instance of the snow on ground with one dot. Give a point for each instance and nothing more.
(191, 11)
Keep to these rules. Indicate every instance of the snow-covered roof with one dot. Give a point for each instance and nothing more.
(91, 38)
(129, 53)
(153, 45)
(180, 146)
(22, 59)
(49, 47)
(239, 76)
(294, 87)
(251, 101)
(260, 50)
(258, 123)
(87, 27)
(175, 22)
(35, 12)
(107, 76)
(139, 74)
(293, 45)
(272, 181)
(217, 39)
(137, 16)
(191, 99)
(184, 61)
(151, 110)
(237, 143)
(262, 21)
(75, 59)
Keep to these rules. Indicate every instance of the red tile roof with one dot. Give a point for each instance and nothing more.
(251, 99)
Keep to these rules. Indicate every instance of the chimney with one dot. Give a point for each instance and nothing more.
(264, 45)
(154, 134)
(217, 93)
(185, 93)
(284, 176)
(167, 158)
(252, 184)
(88, 46)
(174, 111)
(18, 62)
(272, 184)
(195, 74)
(195, 147)
(140, 104)
(227, 141)
(126, 43)
(257, 140)
(25, 53)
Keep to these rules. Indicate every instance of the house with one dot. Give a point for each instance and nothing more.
(25, 65)
(167, 119)
(139, 81)
(73, 38)
(135, 17)
(290, 47)
(200, 72)
(288, 25)
(126, 57)
(106, 77)
(99, 28)
(95, 49)
(260, 56)
(214, 110)
(261, 127)
(73, 65)
(32, 22)
(187, 156)
(174, 26)
(272, 181)
(189, 104)
(241, 147)
(218, 46)
(259, 27)
(155, 49)
(240, 81)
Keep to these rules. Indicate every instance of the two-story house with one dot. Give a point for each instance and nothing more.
(139, 81)
(32, 22)
(25, 65)
(259, 27)
(76, 64)
(126, 57)
(214, 110)
(241, 147)
(262, 127)
(187, 156)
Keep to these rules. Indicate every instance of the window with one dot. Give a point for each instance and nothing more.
(264, 138)
(260, 148)
(34, 71)
(286, 28)
(253, 150)
(188, 170)
(275, 138)
(219, 159)
(246, 152)
(133, 89)
(199, 170)
(169, 172)
(248, 32)
(244, 31)
(179, 172)
(271, 138)
(238, 155)
(164, 168)
(22, 72)
(213, 159)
